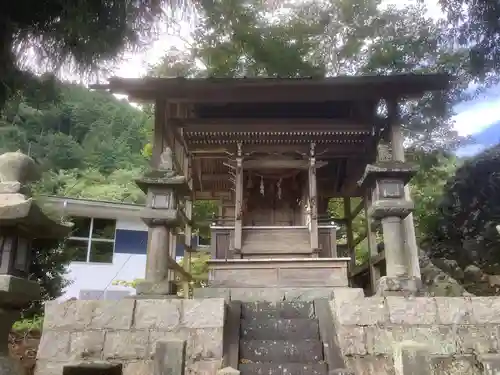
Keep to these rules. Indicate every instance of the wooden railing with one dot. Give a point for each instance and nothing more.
(182, 274)
(367, 273)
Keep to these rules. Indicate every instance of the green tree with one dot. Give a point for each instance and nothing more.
(475, 25)
(469, 212)
(199, 268)
(330, 38)
(48, 268)
(79, 35)
(434, 171)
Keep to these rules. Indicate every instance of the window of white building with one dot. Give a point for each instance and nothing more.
(92, 240)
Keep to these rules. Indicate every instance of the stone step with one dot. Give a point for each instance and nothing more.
(276, 310)
(281, 351)
(283, 369)
(279, 329)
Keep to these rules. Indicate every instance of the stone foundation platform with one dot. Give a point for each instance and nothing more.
(389, 335)
(127, 332)
(269, 272)
(448, 335)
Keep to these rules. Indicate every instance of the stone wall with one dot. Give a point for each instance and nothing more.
(126, 332)
(461, 334)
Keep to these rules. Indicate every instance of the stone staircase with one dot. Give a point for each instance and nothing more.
(280, 338)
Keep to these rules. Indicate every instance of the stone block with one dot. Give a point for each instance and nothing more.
(352, 340)
(44, 367)
(477, 338)
(68, 316)
(347, 295)
(87, 344)
(419, 310)
(307, 294)
(398, 286)
(284, 310)
(138, 368)
(179, 334)
(203, 313)
(366, 311)
(341, 371)
(204, 367)
(10, 187)
(170, 357)
(113, 314)
(127, 345)
(54, 345)
(456, 365)
(440, 340)
(370, 365)
(490, 363)
(279, 329)
(411, 358)
(206, 344)
(454, 310)
(257, 294)
(485, 310)
(228, 371)
(379, 340)
(157, 314)
(212, 293)
(281, 351)
(281, 369)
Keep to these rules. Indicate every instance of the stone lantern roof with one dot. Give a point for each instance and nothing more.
(17, 208)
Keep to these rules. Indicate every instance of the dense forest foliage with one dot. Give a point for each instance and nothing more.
(88, 144)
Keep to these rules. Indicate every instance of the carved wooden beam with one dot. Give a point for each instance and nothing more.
(235, 125)
(211, 151)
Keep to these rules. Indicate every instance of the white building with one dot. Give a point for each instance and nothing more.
(109, 242)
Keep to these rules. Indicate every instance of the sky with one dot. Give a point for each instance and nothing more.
(470, 118)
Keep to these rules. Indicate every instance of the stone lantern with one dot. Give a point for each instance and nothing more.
(21, 221)
(386, 180)
(15, 255)
(163, 188)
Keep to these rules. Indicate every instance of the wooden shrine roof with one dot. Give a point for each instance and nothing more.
(285, 90)
(278, 118)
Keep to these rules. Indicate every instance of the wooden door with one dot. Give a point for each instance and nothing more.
(268, 210)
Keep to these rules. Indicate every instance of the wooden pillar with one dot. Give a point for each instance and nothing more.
(349, 233)
(171, 251)
(220, 211)
(187, 267)
(372, 243)
(313, 200)
(187, 244)
(238, 200)
(398, 154)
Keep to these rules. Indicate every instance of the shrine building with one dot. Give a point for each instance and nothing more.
(273, 153)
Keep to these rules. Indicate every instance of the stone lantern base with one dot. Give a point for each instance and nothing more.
(399, 286)
(147, 289)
